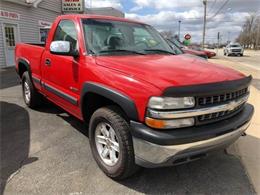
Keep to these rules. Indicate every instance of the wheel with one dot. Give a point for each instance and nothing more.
(30, 95)
(241, 54)
(224, 53)
(111, 143)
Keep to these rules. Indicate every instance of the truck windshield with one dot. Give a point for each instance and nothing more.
(235, 46)
(108, 37)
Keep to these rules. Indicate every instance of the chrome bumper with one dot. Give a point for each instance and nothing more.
(153, 155)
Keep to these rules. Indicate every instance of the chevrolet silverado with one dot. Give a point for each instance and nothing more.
(144, 105)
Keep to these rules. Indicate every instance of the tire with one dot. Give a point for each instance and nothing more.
(123, 165)
(241, 54)
(30, 95)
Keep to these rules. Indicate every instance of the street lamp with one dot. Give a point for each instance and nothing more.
(179, 34)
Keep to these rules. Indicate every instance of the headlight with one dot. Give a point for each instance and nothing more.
(166, 103)
(169, 124)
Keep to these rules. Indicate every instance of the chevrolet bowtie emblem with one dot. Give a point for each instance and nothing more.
(232, 105)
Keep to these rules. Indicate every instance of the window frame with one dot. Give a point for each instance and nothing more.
(75, 27)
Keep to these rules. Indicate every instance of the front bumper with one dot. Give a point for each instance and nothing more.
(156, 148)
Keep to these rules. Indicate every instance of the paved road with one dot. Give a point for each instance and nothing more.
(46, 151)
(250, 58)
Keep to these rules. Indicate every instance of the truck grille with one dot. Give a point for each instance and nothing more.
(216, 99)
(206, 118)
(236, 50)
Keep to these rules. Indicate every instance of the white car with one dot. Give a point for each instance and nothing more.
(233, 49)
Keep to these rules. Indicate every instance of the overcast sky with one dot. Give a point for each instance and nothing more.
(165, 14)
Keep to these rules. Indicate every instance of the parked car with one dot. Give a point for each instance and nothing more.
(234, 49)
(210, 54)
(176, 44)
(144, 105)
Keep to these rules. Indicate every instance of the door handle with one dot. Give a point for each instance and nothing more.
(47, 62)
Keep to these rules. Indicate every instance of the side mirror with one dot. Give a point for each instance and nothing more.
(63, 48)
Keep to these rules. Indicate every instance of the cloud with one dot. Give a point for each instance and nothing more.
(165, 14)
(104, 3)
(192, 23)
(167, 4)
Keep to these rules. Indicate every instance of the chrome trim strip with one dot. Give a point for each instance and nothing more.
(36, 80)
(159, 154)
(61, 94)
(196, 112)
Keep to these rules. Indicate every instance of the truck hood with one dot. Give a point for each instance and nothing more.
(169, 70)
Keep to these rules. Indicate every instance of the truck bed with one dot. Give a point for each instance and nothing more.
(32, 53)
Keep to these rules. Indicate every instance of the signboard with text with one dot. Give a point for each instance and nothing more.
(9, 15)
(74, 6)
(44, 24)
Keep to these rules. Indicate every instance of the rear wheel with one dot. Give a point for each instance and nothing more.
(30, 95)
(111, 143)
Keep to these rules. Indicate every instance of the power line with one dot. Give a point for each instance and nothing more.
(204, 23)
(224, 4)
(212, 6)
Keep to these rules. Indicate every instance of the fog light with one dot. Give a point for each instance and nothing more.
(169, 124)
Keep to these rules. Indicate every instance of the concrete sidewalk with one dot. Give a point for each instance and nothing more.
(248, 148)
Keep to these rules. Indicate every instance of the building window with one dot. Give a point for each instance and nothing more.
(43, 34)
(9, 34)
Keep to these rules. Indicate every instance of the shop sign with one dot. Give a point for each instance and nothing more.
(44, 24)
(9, 15)
(73, 6)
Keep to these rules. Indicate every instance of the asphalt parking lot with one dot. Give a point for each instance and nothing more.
(46, 151)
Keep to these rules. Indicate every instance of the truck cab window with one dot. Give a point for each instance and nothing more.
(66, 31)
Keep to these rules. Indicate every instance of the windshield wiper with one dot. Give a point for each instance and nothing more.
(160, 50)
(121, 50)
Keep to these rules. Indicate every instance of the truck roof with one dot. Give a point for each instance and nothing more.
(81, 16)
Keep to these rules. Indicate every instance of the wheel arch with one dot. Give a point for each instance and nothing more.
(95, 95)
(23, 65)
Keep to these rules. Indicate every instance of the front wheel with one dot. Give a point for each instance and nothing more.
(111, 143)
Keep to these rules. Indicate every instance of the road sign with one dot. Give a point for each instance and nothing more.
(187, 37)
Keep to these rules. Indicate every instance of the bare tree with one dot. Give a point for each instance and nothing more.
(249, 37)
(167, 34)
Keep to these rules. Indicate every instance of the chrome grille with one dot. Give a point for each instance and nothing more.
(217, 115)
(236, 50)
(216, 99)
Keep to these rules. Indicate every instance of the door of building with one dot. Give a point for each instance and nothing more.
(10, 38)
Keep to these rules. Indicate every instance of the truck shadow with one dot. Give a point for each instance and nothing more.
(218, 174)
(15, 141)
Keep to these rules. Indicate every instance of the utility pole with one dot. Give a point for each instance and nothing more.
(204, 22)
(218, 41)
(179, 35)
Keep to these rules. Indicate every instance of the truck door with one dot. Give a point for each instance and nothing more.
(60, 74)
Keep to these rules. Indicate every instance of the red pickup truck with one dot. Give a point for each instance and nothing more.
(144, 105)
